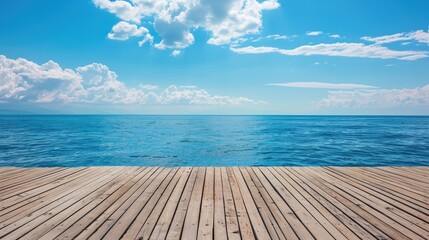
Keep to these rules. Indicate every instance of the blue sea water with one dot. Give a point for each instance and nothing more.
(99, 140)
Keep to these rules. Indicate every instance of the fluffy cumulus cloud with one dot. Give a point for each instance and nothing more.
(175, 20)
(124, 30)
(378, 98)
(25, 81)
(338, 49)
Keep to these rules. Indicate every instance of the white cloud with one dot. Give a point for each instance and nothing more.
(122, 9)
(277, 36)
(419, 36)
(148, 87)
(322, 85)
(176, 53)
(124, 30)
(25, 81)
(174, 34)
(377, 98)
(334, 36)
(147, 38)
(314, 33)
(270, 37)
(175, 20)
(192, 95)
(338, 49)
(386, 39)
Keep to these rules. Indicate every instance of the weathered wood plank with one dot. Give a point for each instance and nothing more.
(190, 226)
(166, 217)
(174, 231)
(214, 203)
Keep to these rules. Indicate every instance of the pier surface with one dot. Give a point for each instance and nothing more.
(214, 203)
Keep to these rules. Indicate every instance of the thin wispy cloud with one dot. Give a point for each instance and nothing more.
(277, 36)
(314, 33)
(379, 98)
(418, 36)
(322, 85)
(25, 81)
(269, 37)
(334, 36)
(338, 49)
(350, 49)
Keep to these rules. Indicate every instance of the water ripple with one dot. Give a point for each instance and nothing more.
(47, 141)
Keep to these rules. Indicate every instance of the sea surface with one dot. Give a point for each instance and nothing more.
(140, 140)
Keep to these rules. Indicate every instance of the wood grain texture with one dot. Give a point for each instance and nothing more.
(214, 203)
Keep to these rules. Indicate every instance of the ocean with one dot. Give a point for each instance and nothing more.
(141, 140)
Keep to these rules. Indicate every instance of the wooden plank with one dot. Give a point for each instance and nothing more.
(412, 177)
(270, 221)
(343, 204)
(244, 224)
(22, 226)
(284, 226)
(219, 207)
(175, 229)
(35, 188)
(337, 229)
(391, 191)
(231, 220)
(388, 203)
(37, 207)
(206, 225)
(190, 226)
(146, 220)
(36, 201)
(214, 203)
(81, 208)
(343, 214)
(123, 223)
(416, 173)
(417, 185)
(83, 217)
(166, 217)
(299, 228)
(16, 183)
(104, 222)
(4, 170)
(359, 207)
(401, 188)
(261, 222)
(387, 213)
(317, 229)
(20, 172)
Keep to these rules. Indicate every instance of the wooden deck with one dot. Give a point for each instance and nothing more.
(214, 203)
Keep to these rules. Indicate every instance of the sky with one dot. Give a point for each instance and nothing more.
(215, 57)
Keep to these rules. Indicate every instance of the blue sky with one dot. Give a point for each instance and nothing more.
(215, 57)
